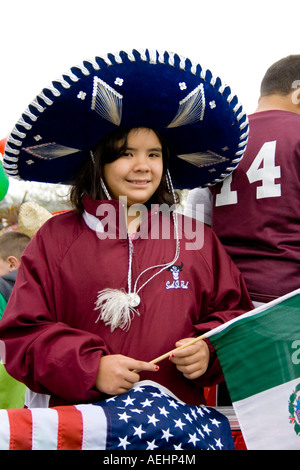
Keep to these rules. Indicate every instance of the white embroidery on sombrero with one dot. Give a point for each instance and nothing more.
(11, 166)
(37, 105)
(107, 102)
(201, 159)
(191, 108)
(50, 151)
(45, 98)
(81, 95)
(14, 141)
(13, 159)
(119, 81)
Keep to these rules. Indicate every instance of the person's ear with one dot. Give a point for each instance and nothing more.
(296, 93)
(13, 263)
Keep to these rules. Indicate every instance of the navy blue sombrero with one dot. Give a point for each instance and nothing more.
(202, 120)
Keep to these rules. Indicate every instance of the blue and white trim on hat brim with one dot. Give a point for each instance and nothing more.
(203, 121)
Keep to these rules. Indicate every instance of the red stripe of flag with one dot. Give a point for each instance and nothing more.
(20, 421)
(70, 428)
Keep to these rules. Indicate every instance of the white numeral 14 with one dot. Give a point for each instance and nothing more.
(262, 169)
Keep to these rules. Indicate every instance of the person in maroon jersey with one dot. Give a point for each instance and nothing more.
(255, 211)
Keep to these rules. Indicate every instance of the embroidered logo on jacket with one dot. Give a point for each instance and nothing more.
(176, 284)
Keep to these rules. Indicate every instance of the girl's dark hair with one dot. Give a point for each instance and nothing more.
(88, 179)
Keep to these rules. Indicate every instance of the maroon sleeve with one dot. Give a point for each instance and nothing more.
(47, 355)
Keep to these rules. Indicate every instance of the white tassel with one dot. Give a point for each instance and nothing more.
(117, 308)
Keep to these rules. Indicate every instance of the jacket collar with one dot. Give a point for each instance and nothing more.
(10, 277)
(105, 216)
(108, 217)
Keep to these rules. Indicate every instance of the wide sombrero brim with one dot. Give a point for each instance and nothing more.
(203, 122)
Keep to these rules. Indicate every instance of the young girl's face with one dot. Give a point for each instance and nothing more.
(137, 173)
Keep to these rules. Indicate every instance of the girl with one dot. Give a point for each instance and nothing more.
(139, 173)
(102, 292)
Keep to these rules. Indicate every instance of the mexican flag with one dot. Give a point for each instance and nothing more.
(259, 353)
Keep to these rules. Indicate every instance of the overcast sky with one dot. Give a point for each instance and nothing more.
(237, 40)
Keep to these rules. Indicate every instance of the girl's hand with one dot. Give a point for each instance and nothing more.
(193, 360)
(117, 373)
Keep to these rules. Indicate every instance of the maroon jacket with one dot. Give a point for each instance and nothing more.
(53, 342)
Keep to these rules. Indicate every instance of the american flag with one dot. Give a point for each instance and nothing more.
(148, 417)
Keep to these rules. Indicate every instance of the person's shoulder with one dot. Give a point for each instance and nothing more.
(58, 233)
(274, 115)
(195, 223)
(61, 223)
(199, 235)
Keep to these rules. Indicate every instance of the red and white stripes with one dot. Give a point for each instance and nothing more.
(81, 427)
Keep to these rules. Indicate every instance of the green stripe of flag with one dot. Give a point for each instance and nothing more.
(261, 351)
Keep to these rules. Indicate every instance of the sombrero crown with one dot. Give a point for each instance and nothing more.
(203, 122)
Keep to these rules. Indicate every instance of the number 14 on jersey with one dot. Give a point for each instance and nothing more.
(264, 169)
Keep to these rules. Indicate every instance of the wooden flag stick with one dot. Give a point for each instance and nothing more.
(166, 355)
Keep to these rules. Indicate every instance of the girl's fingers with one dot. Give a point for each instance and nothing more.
(141, 365)
(191, 361)
(118, 373)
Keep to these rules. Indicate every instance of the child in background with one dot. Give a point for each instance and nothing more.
(12, 245)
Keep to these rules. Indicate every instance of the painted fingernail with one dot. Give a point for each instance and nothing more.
(156, 367)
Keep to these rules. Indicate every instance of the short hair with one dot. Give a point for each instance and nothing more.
(13, 244)
(280, 77)
(88, 180)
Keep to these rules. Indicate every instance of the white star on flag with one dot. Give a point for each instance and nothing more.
(163, 411)
(193, 438)
(166, 434)
(173, 404)
(123, 442)
(188, 418)
(179, 423)
(136, 410)
(124, 416)
(218, 443)
(146, 403)
(152, 419)
(138, 431)
(215, 422)
(206, 429)
(128, 401)
(151, 445)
